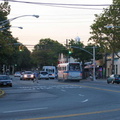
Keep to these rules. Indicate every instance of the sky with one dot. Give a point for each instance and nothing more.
(54, 22)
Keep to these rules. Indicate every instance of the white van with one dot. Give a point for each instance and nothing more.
(51, 70)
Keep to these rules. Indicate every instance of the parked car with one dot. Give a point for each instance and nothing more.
(17, 74)
(44, 75)
(5, 80)
(27, 75)
(114, 78)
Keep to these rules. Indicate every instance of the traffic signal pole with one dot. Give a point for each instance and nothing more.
(93, 55)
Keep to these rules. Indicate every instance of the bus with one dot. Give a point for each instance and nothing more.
(70, 71)
(52, 71)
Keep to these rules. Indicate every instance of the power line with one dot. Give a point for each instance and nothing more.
(41, 3)
(74, 6)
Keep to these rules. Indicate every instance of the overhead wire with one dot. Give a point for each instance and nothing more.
(63, 5)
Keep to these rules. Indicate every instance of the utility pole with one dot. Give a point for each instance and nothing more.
(94, 64)
(112, 71)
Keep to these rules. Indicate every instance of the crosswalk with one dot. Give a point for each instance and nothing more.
(49, 87)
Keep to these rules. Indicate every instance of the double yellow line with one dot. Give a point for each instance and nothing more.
(73, 115)
(97, 88)
(1, 92)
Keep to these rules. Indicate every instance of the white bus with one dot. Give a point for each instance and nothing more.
(52, 71)
(70, 71)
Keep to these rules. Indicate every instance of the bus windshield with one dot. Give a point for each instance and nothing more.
(74, 67)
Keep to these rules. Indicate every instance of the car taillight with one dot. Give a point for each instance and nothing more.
(80, 74)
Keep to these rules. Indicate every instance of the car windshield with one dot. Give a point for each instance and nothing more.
(44, 73)
(50, 70)
(28, 72)
(117, 75)
(4, 78)
(17, 72)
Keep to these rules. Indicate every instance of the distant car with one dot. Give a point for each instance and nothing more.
(44, 75)
(113, 79)
(17, 74)
(5, 80)
(27, 75)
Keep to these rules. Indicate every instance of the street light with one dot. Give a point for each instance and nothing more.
(9, 27)
(17, 27)
(4, 22)
(110, 26)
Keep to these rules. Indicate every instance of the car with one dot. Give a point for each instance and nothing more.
(5, 80)
(17, 74)
(114, 78)
(44, 75)
(27, 75)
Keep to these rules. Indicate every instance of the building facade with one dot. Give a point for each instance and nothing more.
(115, 61)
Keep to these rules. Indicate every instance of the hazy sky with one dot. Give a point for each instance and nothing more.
(57, 23)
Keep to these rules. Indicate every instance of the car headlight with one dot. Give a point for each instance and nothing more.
(25, 76)
(32, 76)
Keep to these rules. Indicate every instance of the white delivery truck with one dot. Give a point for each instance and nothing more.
(52, 71)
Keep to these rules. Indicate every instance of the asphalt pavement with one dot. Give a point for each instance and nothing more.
(97, 80)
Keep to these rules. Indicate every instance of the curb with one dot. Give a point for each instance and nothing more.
(1, 92)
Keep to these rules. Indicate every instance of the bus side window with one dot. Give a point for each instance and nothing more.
(65, 68)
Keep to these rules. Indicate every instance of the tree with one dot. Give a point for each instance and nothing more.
(4, 48)
(107, 37)
(46, 52)
(9, 46)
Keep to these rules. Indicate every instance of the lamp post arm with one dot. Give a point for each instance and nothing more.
(9, 20)
(1, 29)
(82, 49)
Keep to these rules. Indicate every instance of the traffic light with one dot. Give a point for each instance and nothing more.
(21, 48)
(70, 51)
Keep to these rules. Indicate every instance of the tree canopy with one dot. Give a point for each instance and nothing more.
(46, 52)
(9, 46)
(105, 30)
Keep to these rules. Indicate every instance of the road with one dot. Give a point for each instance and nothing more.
(53, 100)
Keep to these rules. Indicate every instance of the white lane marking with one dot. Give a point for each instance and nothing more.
(85, 100)
(80, 95)
(63, 90)
(25, 110)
